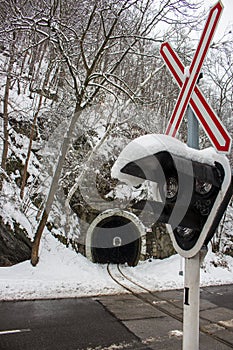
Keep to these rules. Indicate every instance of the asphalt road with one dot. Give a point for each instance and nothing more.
(107, 322)
(219, 295)
(65, 324)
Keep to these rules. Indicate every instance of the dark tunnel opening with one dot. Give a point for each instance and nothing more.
(116, 240)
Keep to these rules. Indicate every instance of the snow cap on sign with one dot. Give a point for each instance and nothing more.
(153, 143)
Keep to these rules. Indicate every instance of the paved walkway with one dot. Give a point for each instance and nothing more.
(160, 331)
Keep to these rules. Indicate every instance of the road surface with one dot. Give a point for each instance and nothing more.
(112, 322)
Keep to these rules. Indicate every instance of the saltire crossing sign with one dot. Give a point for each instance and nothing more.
(190, 92)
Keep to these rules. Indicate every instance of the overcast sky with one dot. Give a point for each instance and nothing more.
(226, 17)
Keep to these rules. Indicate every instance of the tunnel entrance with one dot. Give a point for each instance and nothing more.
(116, 239)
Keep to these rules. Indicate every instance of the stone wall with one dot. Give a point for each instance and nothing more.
(158, 242)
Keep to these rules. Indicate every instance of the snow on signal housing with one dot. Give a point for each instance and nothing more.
(194, 191)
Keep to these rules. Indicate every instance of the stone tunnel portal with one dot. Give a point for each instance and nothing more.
(115, 239)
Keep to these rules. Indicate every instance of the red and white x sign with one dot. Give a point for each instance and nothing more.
(190, 93)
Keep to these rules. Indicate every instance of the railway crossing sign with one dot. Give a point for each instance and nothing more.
(190, 93)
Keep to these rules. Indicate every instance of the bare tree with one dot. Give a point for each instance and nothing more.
(11, 62)
(99, 47)
(220, 71)
(110, 33)
(25, 169)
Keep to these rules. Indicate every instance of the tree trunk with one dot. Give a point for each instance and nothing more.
(5, 123)
(54, 186)
(5, 116)
(36, 242)
(5, 113)
(24, 176)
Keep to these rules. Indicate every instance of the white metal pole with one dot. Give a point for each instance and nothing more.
(191, 303)
(192, 267)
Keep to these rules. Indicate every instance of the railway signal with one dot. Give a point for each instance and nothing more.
(195, 186)
(221, 141)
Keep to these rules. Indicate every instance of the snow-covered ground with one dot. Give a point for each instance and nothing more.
(62, 273)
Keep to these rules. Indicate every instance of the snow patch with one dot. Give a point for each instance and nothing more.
(175, 333)
(62, 273)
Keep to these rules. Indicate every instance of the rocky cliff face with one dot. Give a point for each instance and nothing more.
(15, 247)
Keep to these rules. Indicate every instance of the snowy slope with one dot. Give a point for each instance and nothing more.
(62, 273)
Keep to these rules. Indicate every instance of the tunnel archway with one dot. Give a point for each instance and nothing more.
(115, 236)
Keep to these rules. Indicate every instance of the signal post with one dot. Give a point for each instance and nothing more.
(192, 265)
(195, 186)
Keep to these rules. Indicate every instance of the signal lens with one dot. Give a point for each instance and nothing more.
(185, 232)
(203, 187)
(171, 187)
